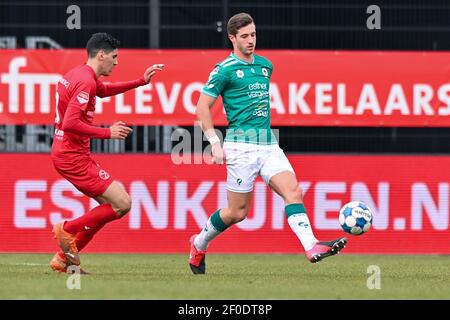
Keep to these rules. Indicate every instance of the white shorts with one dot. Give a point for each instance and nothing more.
(246, 161)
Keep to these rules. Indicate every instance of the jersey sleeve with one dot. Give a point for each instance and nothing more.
(270, 69)
(81, 95)
(111, 89)
(217, 81)
(77, 105)
(72, 123)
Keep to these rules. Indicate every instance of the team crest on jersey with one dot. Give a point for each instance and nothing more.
(265, 72)
(240, 73)
(83, 97)
(103, 174)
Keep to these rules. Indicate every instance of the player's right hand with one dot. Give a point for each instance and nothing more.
(217, 153)
(150, 72)
(120, 131)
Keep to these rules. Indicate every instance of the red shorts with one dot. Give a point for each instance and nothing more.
(86, 175)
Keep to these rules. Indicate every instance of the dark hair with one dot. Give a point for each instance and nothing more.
(101, 41)
(238, 21)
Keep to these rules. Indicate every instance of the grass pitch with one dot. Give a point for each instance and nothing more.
(115, 276)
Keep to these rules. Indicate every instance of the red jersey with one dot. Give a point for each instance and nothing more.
(75, 109)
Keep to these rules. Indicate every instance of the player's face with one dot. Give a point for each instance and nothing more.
(245, 39)
(109, 61)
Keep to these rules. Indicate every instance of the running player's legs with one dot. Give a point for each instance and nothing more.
(242, 162)
(279, 175)
(86, 175)
(281, 178)
(117, 197)
(242, 166)
(242, 170)
(114, 202)
(286, 186)
(97, 183)
(120, 202)
(238, 207)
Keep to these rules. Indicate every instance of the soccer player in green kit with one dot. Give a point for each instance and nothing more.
(250, 147)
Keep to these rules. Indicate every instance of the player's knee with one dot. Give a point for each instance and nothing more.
(123, 206)
(238, 214)
(294, 195)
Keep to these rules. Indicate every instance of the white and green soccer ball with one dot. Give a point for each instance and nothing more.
(355, 217)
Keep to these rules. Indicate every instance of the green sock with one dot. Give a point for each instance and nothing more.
(214, 226)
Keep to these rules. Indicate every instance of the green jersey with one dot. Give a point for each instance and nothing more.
(245, 93)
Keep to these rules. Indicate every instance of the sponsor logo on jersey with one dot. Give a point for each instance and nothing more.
(261, 113)
(83, 97)
(64, 82)
(261, 110)
(258, 94)
(90, 115)
(257, 86)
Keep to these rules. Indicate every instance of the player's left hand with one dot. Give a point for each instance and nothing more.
(217, 153)
(151, 71)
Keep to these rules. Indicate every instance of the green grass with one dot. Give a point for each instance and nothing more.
(27, 276)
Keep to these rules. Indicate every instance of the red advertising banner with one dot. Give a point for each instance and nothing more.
(308, 88)
(409, 197)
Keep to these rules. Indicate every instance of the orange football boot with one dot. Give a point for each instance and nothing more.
(59, 263)
(67, 243)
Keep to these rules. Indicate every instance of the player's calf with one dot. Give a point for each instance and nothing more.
(122, 206)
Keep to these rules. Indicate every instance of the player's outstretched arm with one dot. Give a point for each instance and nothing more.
(111, 89)
(204, 118)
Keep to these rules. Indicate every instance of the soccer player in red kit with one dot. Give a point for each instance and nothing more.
(77, 92)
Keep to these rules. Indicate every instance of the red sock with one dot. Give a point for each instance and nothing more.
(93, 219)
(61, 255)
(83, 238)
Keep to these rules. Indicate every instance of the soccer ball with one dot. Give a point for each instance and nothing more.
(355, 217)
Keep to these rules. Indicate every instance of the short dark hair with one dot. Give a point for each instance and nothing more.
(238, 21)
(101, 41)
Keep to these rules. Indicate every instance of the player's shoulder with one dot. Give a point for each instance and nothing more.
(226, 64)
(80, 75)
(219, 69)
(263, 61)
